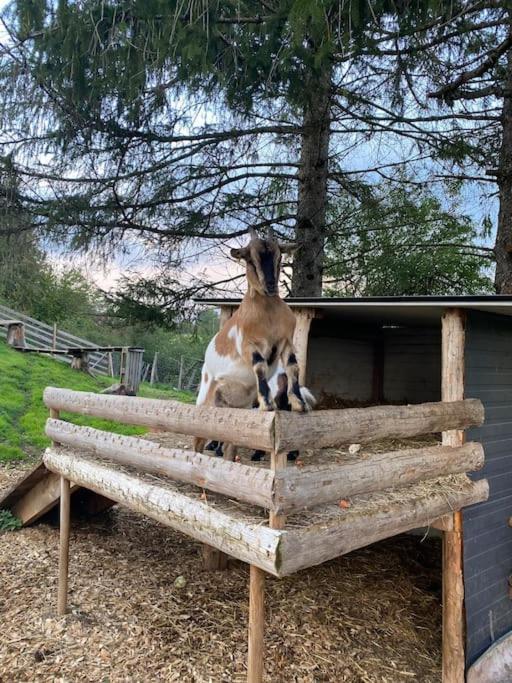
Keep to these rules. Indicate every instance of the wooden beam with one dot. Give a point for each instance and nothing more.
(303, 317)
(62, 594)
(444, 523)
(225, 314)
(251, 543)
(278, 462)
(360, 526)
(326, 428)
(250, 428)
(249, 484)
(39, 499)
(256, 625)
(452, 389)
(295, 489)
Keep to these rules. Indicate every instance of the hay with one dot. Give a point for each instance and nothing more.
(371, 617)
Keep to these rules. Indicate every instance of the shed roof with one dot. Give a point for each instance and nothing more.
(384, 310)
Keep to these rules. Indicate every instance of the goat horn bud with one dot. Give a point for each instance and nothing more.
(253, 234)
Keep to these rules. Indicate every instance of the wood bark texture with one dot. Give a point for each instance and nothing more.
(295, 489)
(308, 262)
(503, 243)
(251, 428)
(254, 544)
(364, 425)
(249, 484)
(315, 544)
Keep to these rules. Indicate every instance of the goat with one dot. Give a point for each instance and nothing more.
(235, 396)
(245, 353)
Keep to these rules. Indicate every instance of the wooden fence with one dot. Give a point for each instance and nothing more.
(39, 334)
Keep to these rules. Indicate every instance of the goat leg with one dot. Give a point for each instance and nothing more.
(260, 367)
(297, 403)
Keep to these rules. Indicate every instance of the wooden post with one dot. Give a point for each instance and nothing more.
(256, 624)
(154, 371)
(180, 375)
(303, 317)
(16, 334)
(110, 364)
(54, 339)
(452, 389)
(278, 461)
(64, 546)
(214, 559)
(122, 366)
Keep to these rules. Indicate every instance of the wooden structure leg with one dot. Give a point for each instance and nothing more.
(64, 546)
(452, 389)
(278, 461)
(213, 559)
(256, 624)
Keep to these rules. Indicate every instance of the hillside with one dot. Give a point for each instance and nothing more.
(23, 378)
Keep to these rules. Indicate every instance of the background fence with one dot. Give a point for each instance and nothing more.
(40, 335)
(183, 372)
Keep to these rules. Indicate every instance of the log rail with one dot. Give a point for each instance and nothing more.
(275, 548)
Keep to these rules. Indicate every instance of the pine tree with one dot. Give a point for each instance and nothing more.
(180, 123)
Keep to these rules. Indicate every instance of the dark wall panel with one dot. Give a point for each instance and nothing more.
(412, 365)
(487, 536)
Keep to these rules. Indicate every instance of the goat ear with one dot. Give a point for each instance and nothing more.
(240, 253)
(288, 248)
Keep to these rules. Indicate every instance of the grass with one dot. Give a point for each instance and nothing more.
(23, 378)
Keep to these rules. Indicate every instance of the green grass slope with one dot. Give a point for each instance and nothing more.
(23, 378)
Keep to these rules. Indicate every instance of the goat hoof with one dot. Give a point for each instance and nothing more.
(297, 404)
(267, 405)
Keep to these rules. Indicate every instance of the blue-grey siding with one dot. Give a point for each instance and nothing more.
(487, 536)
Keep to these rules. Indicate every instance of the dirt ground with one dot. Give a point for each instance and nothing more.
(371, 616)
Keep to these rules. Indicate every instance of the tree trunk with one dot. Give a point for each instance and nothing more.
(503, 246)
(308, 262)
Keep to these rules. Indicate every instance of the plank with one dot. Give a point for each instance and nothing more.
(39, 499)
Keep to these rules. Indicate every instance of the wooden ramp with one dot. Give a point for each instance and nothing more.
(38, 491)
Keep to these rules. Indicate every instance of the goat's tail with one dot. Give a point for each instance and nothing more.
(308, 398)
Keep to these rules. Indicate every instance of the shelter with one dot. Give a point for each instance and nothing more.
(389, 350)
